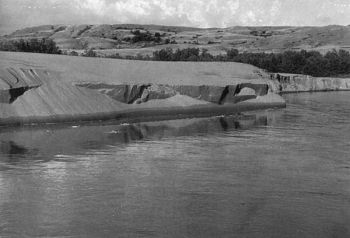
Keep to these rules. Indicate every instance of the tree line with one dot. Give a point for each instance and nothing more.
(34, 45)
(333, 63)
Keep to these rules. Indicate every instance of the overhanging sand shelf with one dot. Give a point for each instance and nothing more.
(55, 88)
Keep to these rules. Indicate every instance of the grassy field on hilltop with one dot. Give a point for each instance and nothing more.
(136, 38)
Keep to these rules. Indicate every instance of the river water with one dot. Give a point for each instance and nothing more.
(275, 173)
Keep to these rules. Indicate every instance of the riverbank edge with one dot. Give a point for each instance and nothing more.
(144, 114)
(314, 91)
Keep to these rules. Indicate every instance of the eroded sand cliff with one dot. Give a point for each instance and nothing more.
(37, 88)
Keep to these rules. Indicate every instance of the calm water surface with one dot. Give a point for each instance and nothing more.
(277, 173)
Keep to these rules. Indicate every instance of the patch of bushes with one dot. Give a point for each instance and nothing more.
(73, 53)
(34, 45)
(89, 53)
(189, 54)
(145, 37)
(333, 63)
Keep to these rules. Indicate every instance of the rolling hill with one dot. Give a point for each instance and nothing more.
(132, 39)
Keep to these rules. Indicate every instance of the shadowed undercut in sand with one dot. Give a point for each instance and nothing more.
(55, 88)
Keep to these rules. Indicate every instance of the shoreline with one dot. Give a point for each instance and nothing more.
(49, 89)
(315, 91)
(44, 89)
(144, 114)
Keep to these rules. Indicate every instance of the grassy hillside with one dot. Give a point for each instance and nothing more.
(130, 39)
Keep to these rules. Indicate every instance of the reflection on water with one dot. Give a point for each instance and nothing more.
(46, 142)
(10, 148)
(277, 173)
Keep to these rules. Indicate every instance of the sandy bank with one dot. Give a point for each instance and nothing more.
(36, 88)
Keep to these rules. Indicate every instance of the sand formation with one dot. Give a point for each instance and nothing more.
(37, 88)
(144, 92)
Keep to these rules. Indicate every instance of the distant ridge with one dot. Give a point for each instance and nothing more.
(133, 39)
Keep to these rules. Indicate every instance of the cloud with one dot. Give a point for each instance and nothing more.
(193, 12)
(200, 13)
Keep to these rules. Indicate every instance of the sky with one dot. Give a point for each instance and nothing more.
(16, 14)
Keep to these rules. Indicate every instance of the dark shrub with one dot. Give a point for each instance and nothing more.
(34, 45)
(73, 53)
(231, 53)
(89, 53)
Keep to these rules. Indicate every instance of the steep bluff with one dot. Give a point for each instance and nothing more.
(292, 83)
(140, 93)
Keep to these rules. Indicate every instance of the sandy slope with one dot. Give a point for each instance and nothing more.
(57, 98)
(83, 69)
(54, 98)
